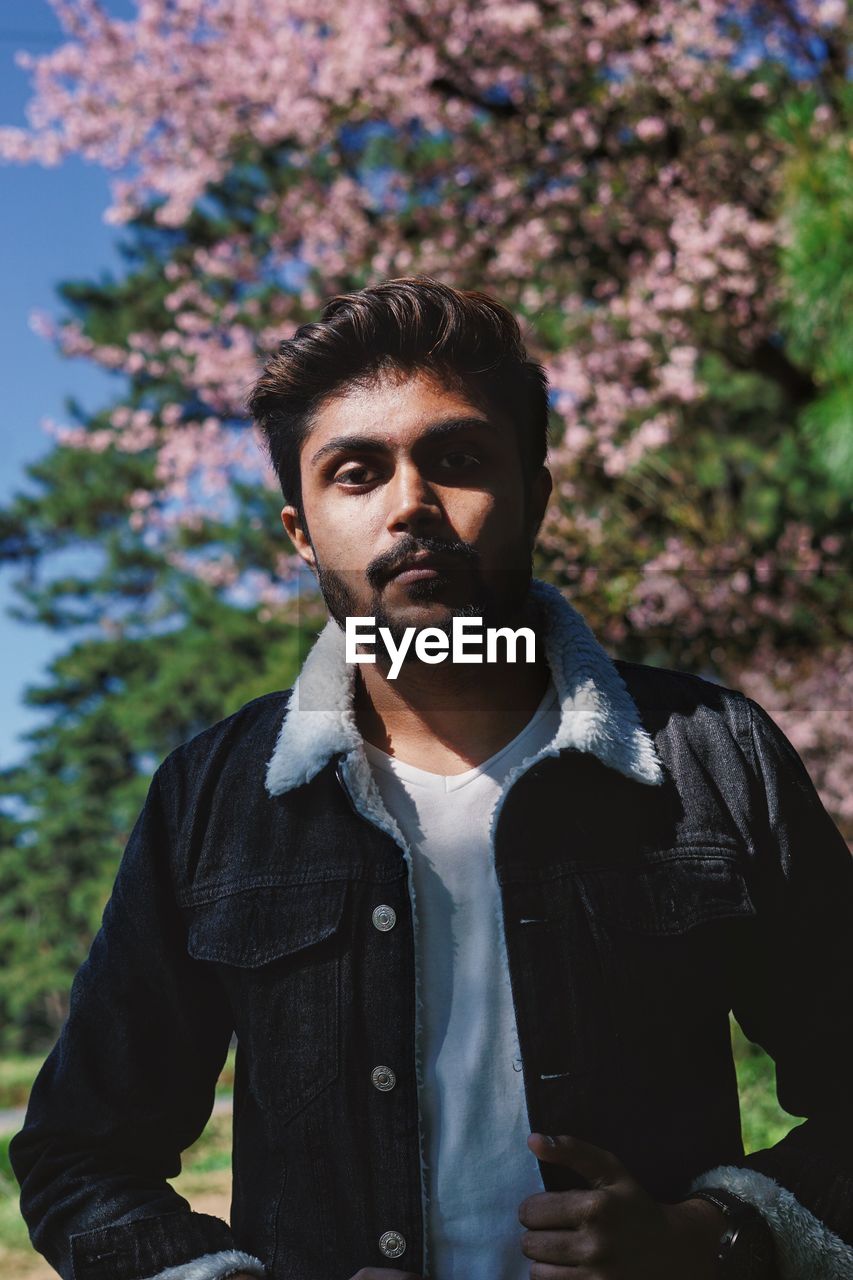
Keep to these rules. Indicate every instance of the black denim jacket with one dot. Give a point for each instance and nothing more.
(664, 860)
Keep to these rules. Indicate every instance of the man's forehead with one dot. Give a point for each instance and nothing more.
(389, 408)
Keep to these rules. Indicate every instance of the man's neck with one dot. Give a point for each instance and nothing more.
(449, 717)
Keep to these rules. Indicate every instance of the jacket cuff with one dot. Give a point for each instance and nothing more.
(805, 1246)
(214, 1266)
(149, 1247)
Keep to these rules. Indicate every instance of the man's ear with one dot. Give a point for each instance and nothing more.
(295, 530)
(540, 491)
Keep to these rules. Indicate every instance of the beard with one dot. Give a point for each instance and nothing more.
(460, 580)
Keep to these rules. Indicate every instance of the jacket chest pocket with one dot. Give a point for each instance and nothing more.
(277, 950)
(667, 929)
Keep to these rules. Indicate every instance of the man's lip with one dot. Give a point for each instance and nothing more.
(420, 567)
(416, 573)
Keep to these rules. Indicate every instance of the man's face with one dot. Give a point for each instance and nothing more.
(407, 469)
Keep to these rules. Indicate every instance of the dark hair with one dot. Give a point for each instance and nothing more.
(409, 324)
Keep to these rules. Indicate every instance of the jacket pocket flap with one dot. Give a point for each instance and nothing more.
(254, 926)
(670, 895)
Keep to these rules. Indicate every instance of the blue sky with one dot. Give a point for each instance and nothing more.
(51, 228)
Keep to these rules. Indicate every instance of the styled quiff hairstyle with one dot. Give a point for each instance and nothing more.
(464, 337)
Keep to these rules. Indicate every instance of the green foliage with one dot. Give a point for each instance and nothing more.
(817, 266)
(119, 705)
(7, 1177)
(16, 1077)
(763, 1122)
(153, 655)
(14, 1238)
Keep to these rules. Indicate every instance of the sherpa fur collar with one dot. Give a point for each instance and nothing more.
(597, 712)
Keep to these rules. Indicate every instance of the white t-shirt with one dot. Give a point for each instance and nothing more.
(479, 1167)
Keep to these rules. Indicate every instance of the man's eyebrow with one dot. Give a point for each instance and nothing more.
(379, 444)
(452, 426)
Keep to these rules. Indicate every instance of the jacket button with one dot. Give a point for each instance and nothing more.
(383, 1078)
(384, 917)
(392, 1244)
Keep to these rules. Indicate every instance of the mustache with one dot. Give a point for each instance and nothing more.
(383, 567)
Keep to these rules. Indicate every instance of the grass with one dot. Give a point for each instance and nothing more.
(16, 1077)
(211, 1154)
(205, 1179)
(763, 1122)
(13, 1232)
(225, 1083)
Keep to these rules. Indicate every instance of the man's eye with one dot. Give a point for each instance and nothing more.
(355, 476)
(458, 460)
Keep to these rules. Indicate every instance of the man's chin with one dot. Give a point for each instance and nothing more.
(436, 598)
(399, 615)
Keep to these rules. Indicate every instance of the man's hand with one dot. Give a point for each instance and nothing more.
(615, 1230)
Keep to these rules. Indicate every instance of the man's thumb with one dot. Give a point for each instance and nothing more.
(599, 1167)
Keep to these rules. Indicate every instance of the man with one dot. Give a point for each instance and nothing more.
(449, 908)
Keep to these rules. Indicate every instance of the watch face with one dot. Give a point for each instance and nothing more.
(746, 1250)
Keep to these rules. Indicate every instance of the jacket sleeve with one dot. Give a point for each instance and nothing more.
(128, 1086)
(795, 999)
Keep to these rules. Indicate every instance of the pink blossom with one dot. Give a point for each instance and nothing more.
(628, 260)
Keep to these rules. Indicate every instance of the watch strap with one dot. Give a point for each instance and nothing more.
(725, 1200)
(735, 1210)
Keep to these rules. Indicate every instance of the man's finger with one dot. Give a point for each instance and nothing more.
(600, 1168)
(560, 1210)
(560, 1248)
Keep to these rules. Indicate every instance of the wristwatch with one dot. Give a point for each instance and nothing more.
(746, 1250)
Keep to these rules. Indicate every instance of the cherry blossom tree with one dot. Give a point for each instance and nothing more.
(622, 173)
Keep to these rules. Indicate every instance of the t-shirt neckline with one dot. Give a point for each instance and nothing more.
(453, 781)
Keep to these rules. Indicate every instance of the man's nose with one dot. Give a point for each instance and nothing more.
(413, 503)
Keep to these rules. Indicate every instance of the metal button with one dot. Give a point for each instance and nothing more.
(384, 917)
(392, 1244)
(383, 1078)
